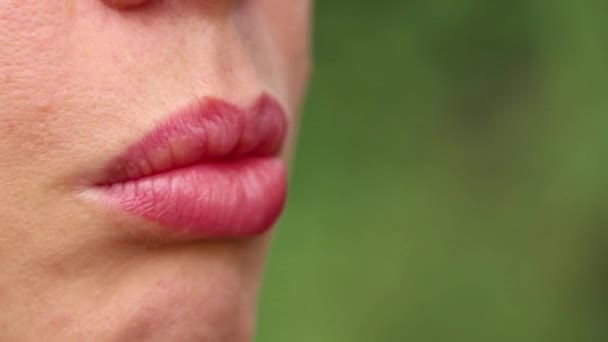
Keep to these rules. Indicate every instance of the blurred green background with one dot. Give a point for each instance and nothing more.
(450, 181)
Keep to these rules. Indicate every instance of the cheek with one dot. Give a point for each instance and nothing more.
(54, 64)
(33, 69)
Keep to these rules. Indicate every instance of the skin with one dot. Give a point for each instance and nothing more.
(80, 81)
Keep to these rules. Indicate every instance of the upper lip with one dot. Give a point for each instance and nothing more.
(208, 129)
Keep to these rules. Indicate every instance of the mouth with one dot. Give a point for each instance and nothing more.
(211, 170)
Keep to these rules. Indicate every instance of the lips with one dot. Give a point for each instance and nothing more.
(210, 170)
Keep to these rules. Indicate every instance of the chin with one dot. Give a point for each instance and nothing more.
(172, 314)
(180, 305)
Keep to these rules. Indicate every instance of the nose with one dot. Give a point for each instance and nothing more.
(125, 4)
(130, 4)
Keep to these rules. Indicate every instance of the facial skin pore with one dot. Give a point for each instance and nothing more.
(79, 82)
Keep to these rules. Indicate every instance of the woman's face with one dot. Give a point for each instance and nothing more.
(143, 147)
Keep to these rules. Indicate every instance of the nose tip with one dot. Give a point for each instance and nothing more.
(125, 4)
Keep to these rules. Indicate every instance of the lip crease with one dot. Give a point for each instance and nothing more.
(209, 170)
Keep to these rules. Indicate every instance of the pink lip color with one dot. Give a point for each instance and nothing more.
(211, 170)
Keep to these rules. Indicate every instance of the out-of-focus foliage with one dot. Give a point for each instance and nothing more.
(451, 177)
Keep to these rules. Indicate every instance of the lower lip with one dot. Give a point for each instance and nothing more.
(232, 198)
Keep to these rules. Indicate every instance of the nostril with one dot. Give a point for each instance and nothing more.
(125, 4)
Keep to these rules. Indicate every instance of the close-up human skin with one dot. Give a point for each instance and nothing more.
(144, 152)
